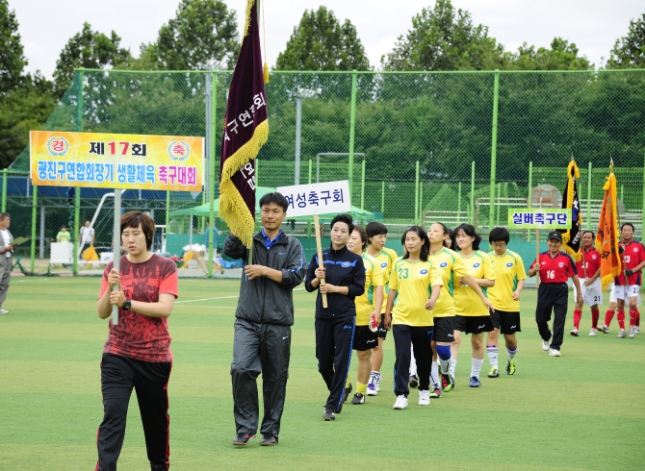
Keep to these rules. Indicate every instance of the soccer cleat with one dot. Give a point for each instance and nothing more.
(493, 373)
(637, 329)
(358, 399)
(348, 391)
(414, 381)
(436, 393)
(593, 332)
(554, 353)
(401, 403)
(604, 329)
(424, 398)
(371, 390)
(474, 382)
(510, 367)
(546, 345)
(575, 332)
(241, 439)
(329, 414)
(269, 440)
(447, 382)
(3, 311)
(621, 334)
(632, 331)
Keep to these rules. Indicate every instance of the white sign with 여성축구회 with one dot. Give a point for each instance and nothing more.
(317, 198)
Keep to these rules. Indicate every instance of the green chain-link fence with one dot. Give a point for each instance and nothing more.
(416, 147)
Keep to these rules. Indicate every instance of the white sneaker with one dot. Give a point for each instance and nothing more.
(401, 403)
(575, 332)
(3, 311)
(424, 398)
(632, 331)
(593, 332)
(604, 329)
(637, 329)
(546, 345)
(371, 389)
(554, 353)
(621, 334)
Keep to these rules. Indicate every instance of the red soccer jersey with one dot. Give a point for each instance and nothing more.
(589, 263)
(556, 269)
(137, 336)
(633, 255)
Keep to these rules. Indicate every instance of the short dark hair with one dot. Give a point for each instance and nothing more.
(375, 228)
(621, 227)
(498, 234)
(593, 234)
(276, 198)
(3, 216)
(425, 248)
(451, 236)
(470, 231)
(134, 219)
(445, 228)
(346, 218)
(362, 233)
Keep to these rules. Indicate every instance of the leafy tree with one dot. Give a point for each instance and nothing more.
(629, 51)
(562, 56)
(203, 35)
(12, 60)
(89, 49)
(444, 39)
(320, 42)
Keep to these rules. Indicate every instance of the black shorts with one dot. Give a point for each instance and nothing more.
(507, 322)
(473, 324)
(364, 338)
(444, 329)
(382, 331)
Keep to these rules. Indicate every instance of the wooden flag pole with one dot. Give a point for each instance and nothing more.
(537, 250)
(116, 243)
(320, 257)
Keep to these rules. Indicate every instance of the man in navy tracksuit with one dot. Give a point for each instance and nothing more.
(344, 275)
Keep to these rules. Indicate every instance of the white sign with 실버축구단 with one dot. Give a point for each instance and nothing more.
(317, 198)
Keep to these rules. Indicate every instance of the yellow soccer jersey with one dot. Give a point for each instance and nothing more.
(467, 302)
(509, 269)
(413, 283)
(365, 302)
(386, 259)
(450, 268)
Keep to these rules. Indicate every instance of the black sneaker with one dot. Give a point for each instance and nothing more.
(348, 391)
(269, 440)
(243, 438)
(329, 414)
(358, 399)
(414, 381)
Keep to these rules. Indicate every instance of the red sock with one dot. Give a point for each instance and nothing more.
(577, 314)
(609, 315)
(595, 315)
(633, 315)
(638, 319)
(620, 317)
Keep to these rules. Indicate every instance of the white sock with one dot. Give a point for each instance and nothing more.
(493, 353)
(413, 363)
(476, 367)
(511, 353)
(445, 365)
(434, 374)
(453, 366)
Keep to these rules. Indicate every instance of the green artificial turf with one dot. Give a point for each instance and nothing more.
(584, 411)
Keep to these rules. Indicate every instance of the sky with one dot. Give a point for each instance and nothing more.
(593, 25)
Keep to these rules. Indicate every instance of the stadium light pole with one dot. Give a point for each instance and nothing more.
(300, 95)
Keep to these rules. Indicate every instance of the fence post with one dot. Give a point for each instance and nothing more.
(643, 209)
(383, 198)
(352, 129)
(363, 184)
(4, 190)
(589, 199)
(493, 150)
(310, 165)
(472, 194)
(530, 197)
(459, 199)
(420, 203)
(212, 77)
(416, 194)
(34, 219)
(77, 190)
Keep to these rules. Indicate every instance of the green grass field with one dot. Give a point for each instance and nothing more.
(584, 411)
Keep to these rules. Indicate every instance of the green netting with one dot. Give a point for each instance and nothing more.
(417, 147)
